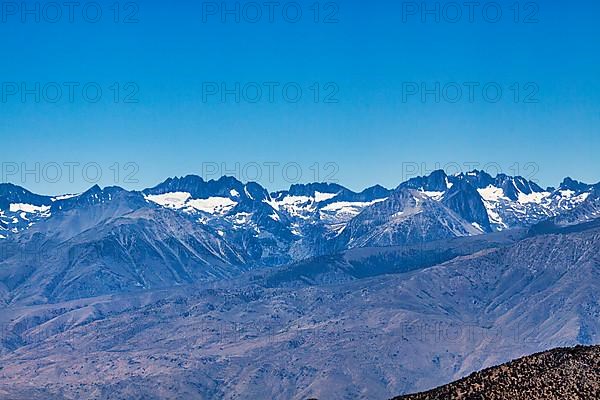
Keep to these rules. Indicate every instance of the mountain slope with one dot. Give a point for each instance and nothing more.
(111, 241)
(242, 214)
(19, 209)
(587, 210)
(256, 337)
(563, 373)
(509, 202)
(365, 262)
(406, 217)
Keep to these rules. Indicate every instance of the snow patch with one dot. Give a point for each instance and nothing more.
(477, 226)
(181, 200)
(537, 198)
(274, 217)
(294, 200)
(63, 197)
(28, 208)
(319, 197)
(242, 218)
(349, 207)
(174, 200)
(213, 205)
(566, 193)
(491, 193)
(437, 196)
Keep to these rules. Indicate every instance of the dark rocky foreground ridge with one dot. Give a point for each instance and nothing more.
(563, 373)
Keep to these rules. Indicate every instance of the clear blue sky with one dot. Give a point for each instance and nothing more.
(371, 54)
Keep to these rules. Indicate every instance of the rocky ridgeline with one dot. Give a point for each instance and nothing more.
(563, 373)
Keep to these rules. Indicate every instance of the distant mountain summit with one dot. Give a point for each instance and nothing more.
(13, 194)
(559, 374)
(198, 188)
(575, 186)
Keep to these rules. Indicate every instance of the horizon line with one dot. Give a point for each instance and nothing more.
(336, 182)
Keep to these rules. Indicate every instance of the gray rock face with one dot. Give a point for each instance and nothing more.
(463, 199)
(406, 217)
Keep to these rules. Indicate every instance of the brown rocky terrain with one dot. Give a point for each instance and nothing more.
(562, 373)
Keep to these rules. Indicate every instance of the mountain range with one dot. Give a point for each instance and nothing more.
(187, 229)
(199, 289)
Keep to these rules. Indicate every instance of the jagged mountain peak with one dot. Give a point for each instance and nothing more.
(224, 187)
(256, 192)
(464, 199)
(407, 216)
(437, 181)
(9, 188)
(477, 178)
(96, 195)
(375, 188)
(496, 203)
(329, 193)
(96, 192)
(311, 190)
(94, 189)
(574, 185)
(512, 186)
(375, 192)
(13, 194)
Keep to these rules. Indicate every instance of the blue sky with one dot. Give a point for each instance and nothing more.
(372, 129)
